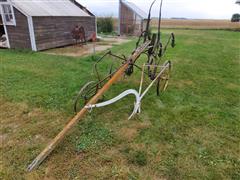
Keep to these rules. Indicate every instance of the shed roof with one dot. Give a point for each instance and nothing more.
(136, 9)
(49, 8)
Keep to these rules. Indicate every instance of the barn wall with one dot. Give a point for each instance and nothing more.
(51, 32)
(144, 24)
(1, 27)
(138, 26)
(126, 20)
(19, 35)
(130, 22)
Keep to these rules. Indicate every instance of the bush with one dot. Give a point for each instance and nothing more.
(236, 18)
(105, 25)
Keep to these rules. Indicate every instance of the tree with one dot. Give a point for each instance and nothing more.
(235, 18)
(105, 24)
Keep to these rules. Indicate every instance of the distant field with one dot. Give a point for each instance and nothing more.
(193, 24)
(197, 24)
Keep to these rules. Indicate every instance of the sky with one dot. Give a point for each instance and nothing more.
(194, 9)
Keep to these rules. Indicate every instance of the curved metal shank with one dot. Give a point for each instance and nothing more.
(138, 96)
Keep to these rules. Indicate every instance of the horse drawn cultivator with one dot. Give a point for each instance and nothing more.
(158, 71)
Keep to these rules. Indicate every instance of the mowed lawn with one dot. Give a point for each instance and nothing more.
(192, 131)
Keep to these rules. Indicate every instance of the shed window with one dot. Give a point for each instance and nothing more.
(8, 14)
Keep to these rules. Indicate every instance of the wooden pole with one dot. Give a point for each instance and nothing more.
(39, 159)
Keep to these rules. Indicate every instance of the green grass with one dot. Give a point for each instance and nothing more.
(192, 131)
(93, 136)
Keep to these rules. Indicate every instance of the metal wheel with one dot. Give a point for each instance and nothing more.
(163, 80)
(85, 93)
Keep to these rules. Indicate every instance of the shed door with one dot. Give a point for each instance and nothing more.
(3, 36)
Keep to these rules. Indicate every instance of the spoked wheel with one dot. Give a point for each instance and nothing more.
(85, 93)
(162, 82)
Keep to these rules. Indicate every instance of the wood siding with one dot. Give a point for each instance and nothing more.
(126, 19)
(19, 35)
(130, 23)
(1, 27)
(51, 32)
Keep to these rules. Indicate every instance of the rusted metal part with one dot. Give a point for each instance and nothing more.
(78, 33)
(109, 53)
(91, 88)
(146, 34)
(38, 160)
(156, 50)
(149, 45)
(82, 94)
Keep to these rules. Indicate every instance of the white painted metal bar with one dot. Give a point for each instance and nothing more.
(117, 98)
(139, 95)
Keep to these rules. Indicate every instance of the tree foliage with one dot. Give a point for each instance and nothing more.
(105, 24)
(235, 18)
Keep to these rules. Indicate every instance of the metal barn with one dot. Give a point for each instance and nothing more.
(132, 20)
(43, 24)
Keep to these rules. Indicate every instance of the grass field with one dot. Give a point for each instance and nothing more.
(190, 132)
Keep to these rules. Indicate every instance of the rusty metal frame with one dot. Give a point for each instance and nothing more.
(151, 47)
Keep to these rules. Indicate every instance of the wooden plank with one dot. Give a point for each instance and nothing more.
(19, 34)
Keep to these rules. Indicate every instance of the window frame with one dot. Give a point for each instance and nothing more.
(8, 23)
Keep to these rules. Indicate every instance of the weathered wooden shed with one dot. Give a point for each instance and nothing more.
(132, 20)
(43, 24)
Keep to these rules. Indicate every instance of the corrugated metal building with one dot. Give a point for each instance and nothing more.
(43, 24)
(132, 20)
